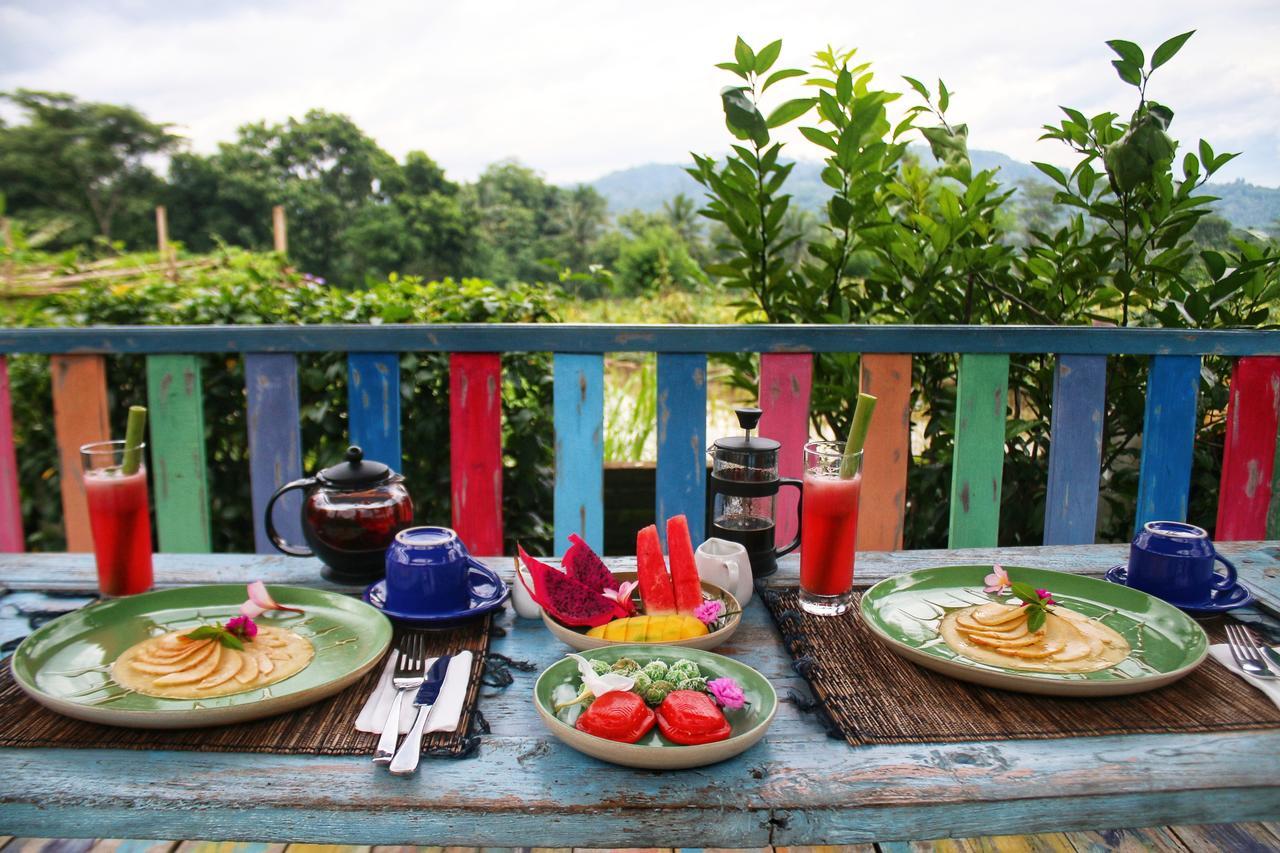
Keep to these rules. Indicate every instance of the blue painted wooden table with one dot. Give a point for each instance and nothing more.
(796, 788)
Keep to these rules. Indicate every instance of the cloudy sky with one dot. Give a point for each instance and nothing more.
(577, 89)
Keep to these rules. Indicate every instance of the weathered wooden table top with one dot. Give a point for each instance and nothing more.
(797, 787)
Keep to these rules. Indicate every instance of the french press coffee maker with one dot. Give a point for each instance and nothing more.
(744, 488)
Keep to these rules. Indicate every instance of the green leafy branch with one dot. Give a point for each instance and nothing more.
(219, 633)
(1035, 601)
(744, 194)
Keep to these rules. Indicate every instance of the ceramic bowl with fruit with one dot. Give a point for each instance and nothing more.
(586, 606)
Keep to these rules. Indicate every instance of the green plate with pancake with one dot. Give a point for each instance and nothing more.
(654, 752)
(1165, 644)
(65, 664)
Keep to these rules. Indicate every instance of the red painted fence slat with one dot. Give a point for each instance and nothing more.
(786, 380)
(883, 504)
(1248, 460)
(79, 417)
(475, 439)
(11, 540)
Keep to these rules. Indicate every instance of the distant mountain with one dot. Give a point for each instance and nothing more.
(647, 187)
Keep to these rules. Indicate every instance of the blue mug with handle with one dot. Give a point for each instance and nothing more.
(1174, 561)
(428, 571)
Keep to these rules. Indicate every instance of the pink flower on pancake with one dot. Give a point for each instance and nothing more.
(243, 627)
(997, 581)
(260, 601)
(1046, 597)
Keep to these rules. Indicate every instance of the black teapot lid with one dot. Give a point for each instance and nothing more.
(355, 472)
(748, 418)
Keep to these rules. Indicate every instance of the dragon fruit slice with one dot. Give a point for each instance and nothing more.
(566, 599)
(583, 565)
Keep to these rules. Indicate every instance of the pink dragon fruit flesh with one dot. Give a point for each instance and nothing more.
(582, 564)
(566, 599)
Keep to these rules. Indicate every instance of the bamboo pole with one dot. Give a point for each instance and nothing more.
(280, 229)
(6, 232)
(167, 254)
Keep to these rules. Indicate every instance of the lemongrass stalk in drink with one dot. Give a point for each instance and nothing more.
(829, 517)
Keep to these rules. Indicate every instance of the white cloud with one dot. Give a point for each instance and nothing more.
(579, 88)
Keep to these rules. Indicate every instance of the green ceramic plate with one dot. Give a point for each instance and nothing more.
(904, 612)
(65, 664)
(653, 752)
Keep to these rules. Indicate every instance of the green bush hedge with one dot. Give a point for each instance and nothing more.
(245, 288)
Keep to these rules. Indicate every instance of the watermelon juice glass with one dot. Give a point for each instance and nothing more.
(120, 518)
(828, 529)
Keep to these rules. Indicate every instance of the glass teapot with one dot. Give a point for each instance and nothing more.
(351, 512)
(744, 489)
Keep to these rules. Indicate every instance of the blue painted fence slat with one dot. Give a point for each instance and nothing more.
(556, 337)
(275, 443)
(373, 405)
(579, 420)
(1168, 434)
(1075, 449)
(682, 441)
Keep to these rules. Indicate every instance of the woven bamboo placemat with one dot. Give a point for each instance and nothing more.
(325, 728)
(871, 695)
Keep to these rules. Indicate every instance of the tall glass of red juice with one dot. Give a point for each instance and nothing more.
(120, 518)
(828, 529)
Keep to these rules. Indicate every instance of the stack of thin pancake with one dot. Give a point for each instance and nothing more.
(1067, 642)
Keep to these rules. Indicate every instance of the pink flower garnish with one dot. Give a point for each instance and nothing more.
(708, 611)
(243, 627)
(260, 601)
(622, 595)
(1045, 596)
(727, 692)
(997, 581)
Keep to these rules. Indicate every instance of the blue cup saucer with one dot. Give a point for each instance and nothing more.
(1219, 601)
(488, 591)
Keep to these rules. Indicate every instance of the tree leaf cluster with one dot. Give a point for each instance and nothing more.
(905, 243)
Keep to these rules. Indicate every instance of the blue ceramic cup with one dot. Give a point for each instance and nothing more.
(428, 571)
(1174, 561)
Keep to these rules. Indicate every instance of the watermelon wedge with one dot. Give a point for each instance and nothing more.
(655, 584)
(684, 571)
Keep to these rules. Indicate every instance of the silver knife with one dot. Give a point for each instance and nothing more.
(1270, 657)
(407, 756)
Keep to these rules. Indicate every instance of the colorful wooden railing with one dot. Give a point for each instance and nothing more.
(1249, 501)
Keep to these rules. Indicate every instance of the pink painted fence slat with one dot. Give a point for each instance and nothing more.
(475, 437)
(11, 540)
(883, 504)
(786, 380)
(79, 417)
(1248, 460)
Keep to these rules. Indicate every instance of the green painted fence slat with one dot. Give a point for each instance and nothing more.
(981, 401)
(176, 401)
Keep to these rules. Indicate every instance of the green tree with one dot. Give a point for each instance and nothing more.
(354, 213)
(527, 227)
(84, 162)
(681, 213)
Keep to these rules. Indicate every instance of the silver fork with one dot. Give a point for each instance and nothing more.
(1245, 649)
(407, 676)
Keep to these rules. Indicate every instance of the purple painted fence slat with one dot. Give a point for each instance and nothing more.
(275, 443)
(1075, 449)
